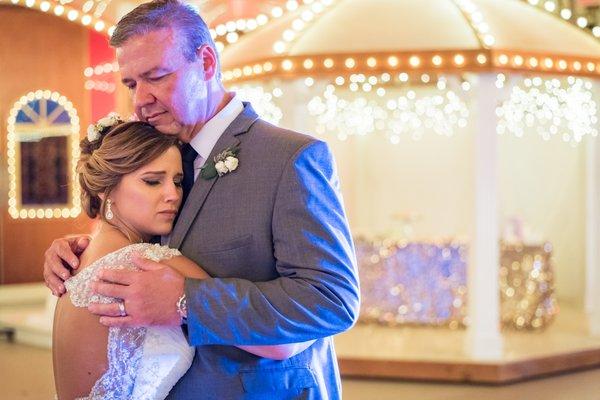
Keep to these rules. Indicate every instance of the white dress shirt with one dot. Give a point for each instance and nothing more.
(204, 141)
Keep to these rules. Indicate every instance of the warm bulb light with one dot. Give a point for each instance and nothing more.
(533, 62)
(518, 60)
(562, 64)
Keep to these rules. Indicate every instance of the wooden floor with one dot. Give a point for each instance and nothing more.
(26, 373)
(374, 351)
(369, 351)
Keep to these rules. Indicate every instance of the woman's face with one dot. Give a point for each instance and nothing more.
(147, 200)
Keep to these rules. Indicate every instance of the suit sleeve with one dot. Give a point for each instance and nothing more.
(317, 293)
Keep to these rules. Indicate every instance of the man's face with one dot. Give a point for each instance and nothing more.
(168, 91)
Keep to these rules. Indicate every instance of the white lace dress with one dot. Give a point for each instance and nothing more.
(143, 363)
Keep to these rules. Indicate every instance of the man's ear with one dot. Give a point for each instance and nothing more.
(207, 56)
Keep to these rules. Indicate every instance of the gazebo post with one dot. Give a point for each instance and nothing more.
(483, 339)
(298, 105)
(592, 264)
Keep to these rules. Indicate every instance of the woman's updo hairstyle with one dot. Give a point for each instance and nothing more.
(116, 151)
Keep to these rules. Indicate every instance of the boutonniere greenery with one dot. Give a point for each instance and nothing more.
(223, 163)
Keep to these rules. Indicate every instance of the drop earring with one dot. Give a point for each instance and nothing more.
(109, 214)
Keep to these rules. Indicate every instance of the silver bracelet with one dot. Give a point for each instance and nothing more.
(182, 308)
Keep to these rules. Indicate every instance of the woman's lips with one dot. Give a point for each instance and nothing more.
(168, 214)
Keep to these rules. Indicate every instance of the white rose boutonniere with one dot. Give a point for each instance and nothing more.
(231, 163)
(95, 131)
(221, 168)
(223, 163)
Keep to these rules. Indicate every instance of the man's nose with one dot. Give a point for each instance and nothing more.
(143, 95)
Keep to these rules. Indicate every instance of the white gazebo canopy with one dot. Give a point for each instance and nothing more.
(336, 36)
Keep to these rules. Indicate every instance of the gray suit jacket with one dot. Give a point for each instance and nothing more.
(274, 237)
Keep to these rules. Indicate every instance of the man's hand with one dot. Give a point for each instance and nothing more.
(149, 296)
(62, 251)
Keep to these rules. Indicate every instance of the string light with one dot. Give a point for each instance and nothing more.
(477, 22)
(567, 15)
(69, 13)
(550, 6)
(97, 71)
(582, 22)
(468, 61)
(100, 86)
(414, 61)
(262, 101)
(387, 113)
(15, 209)
(392, 295)
(309, 9)
(552, 108)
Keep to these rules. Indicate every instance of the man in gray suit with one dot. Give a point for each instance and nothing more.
(268, 226)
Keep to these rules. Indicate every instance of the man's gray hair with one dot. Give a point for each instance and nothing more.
(160, 14)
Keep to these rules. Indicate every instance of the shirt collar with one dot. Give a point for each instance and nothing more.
(204, 141)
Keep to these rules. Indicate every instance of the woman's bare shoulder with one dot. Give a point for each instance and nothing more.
(186, 267)
(100, 246)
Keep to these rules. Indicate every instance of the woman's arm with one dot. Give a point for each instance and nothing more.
(189, 269)
(278, 351)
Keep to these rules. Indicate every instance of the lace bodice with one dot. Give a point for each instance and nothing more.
(143, 363)
(79, 285)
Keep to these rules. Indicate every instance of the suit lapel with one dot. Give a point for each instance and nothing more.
(202, 187)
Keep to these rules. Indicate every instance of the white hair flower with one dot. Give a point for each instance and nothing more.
(95, 131)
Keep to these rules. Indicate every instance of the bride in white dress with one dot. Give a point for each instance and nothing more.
(130, 177)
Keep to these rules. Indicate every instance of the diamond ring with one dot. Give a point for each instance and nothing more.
(122, 311)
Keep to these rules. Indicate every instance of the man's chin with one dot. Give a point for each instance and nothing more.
(167, 129)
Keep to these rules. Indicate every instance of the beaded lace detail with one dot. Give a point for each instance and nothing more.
(131, 373)
(79, 286)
